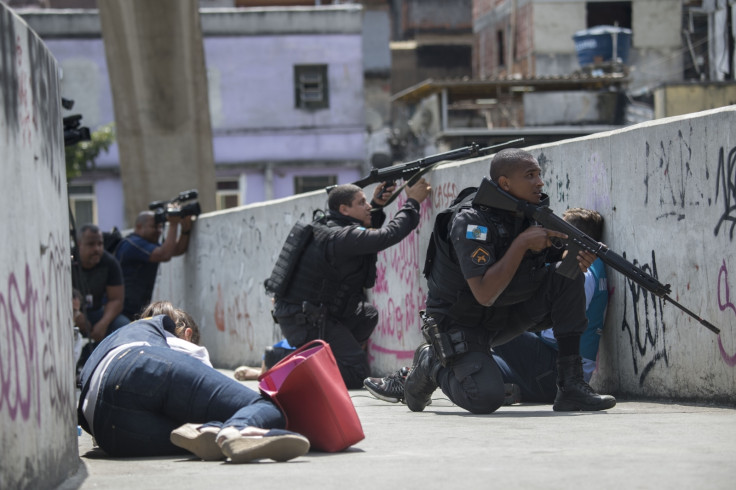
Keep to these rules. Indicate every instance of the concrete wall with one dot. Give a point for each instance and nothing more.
(665, 188)
(38, 441)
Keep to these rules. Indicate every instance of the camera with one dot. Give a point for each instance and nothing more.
(162, 211)
(74, 132)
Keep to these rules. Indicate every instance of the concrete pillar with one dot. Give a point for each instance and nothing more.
(155, 59)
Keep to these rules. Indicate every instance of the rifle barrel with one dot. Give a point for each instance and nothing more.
(702, 321)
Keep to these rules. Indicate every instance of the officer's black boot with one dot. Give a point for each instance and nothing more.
(421, 381)
(573, 393)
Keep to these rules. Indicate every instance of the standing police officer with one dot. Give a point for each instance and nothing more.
(326, 295)
(491, 276)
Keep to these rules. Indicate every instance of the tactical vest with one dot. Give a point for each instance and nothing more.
(445, 279)
(339, 288)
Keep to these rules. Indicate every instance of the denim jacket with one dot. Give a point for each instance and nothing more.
(150, 330)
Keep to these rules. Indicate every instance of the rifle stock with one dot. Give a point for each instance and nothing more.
(491, 195)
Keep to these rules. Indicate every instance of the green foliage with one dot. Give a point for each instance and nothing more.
(82, 156)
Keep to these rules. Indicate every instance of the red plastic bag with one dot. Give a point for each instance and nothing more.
(309, 389)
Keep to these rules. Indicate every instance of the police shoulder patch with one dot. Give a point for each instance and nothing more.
(476, 232)
(480, 256)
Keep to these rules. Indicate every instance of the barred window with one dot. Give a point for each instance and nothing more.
(311, 87)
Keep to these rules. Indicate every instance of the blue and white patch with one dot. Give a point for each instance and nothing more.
(361, 228)
(476, 232)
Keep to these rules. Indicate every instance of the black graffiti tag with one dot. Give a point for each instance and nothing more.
(647, 334)
(726, 184)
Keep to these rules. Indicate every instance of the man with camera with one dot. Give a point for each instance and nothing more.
(140, 253)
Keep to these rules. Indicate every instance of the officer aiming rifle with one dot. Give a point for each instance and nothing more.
(491, 195)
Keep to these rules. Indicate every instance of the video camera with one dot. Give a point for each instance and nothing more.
(74, 132)
(162, 211)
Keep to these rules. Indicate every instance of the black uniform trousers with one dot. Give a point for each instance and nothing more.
(473, 380)
(346, 338)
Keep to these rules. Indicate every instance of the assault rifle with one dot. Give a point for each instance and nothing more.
(411, 172)
(491, 195)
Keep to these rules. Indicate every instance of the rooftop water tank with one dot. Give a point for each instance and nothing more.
(597, 44)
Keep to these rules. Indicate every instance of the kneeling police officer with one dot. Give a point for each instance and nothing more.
(325, 298)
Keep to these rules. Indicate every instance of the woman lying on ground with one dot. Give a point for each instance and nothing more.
(148, 390)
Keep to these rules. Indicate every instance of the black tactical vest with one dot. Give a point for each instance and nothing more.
(444, 277)
(321, 282)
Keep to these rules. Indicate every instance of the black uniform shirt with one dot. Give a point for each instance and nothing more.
(473, 237)
(354, 239)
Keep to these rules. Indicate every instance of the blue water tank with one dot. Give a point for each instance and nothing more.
(596, 44)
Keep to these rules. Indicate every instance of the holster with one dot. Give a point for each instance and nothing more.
(447, 345)
(315, 316)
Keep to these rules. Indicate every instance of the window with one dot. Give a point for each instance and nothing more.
(308, 183)
(608, 14)
(228, 194)
(82, 203)
(311, 88)
(500, 47)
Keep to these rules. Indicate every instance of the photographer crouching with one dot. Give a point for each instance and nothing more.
(140, 252)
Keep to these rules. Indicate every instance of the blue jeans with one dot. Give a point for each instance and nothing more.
(148, 391)
(118, 322)
(530, 363)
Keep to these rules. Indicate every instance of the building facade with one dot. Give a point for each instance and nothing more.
(286, 97)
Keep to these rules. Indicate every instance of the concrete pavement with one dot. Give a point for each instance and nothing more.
(634, 445)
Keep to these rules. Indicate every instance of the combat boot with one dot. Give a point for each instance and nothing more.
(421, 381)
(573, 393)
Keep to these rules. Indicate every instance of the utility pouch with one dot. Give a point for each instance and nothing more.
(446, 344)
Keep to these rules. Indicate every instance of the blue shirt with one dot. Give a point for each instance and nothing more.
(596, 295)
(139, 273)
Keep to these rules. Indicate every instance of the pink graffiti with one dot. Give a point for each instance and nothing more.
(20, 356)
(425, 209)
(238, 320)
(399, 269)
(35, 346)
(443, 195)
(232, 316)
(381, 283)
(18, 50)
(399, 354)
(724, 302)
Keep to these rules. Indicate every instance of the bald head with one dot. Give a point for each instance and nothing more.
(146, 226)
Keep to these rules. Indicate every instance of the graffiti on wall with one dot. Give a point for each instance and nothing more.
(36, 366)
(398, 269)
(647, 330)
(30, 113)
(673, 159)
(726, 188)
(232, 317)
(725, 303)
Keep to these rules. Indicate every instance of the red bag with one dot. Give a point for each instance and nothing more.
(308, 387)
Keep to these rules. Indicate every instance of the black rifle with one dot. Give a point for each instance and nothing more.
(412, 171)
(491, 195)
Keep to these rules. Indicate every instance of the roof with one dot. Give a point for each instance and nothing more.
(469, 88)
